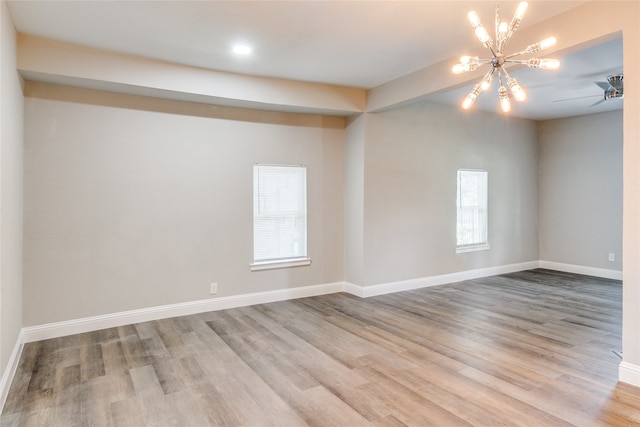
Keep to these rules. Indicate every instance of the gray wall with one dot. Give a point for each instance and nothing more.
(11, 124)
(581, 190)
(411, 157)
(354, 198)
(151, 200)
(132, 202)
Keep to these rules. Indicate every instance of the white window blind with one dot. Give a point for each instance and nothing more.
(472, 217)
(279, 213)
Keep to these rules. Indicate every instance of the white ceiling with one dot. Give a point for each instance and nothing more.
(359, 44)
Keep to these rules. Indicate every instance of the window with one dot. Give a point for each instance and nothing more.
(472, 211)
(279, 216)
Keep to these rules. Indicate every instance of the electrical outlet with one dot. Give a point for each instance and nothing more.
(612, 257)
(213, 288)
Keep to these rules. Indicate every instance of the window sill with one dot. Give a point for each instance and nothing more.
(475, 248)
(269, 265)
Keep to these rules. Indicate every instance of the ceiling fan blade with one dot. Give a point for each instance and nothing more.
(597, 102)
(603, 85)
(577, 97)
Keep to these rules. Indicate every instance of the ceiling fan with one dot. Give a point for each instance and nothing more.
(613, 88)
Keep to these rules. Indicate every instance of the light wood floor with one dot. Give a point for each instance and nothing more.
(526, 349)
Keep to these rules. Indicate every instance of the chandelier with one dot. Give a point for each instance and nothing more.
(497, 64)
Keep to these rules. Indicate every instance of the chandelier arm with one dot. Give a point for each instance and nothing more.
(497, 24)
(516, 90)
(489, 73)
(486, 80)
(516, 61)
(503, 98)
(506, 75)
(522, 61)
(515, 22)
(543, 63)
(522, 52)
(506, 39)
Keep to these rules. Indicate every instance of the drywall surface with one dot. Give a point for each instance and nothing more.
(11, 124)
(134, 202)
(580, 209)
(355, 141)
(412, 156)
(63, 63)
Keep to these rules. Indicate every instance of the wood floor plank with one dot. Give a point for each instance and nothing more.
(210, 401)
(415, 410)
(521, 349)
(151, 397)
(126, 413)
(464, 409)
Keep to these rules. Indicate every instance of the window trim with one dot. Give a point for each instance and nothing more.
(295, 261)
(280, 263)
(472, 248)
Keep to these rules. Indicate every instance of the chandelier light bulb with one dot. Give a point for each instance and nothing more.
(517, 17)
(502, 35)
(486, 82)
(469, 100)
(467, 63)
(548, 42)
(482, 35)
(545, 64)
(503, 30)
(460, 68)
(474, 19)
(549, 64)
(516, 90)
(471, 97)
(521, 10)
(544, 44)
(505, 104)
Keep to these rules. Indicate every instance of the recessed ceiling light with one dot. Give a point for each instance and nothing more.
(242, 49)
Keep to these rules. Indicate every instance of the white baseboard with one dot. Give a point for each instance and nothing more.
(424, 282)
(94, 323)
(10, 370)
(579, 269)
(629, 373)
(88, 324)
(353, 289)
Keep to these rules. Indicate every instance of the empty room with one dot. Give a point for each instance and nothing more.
(319, 213)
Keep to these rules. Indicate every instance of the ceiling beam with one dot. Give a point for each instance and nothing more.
(50, 61)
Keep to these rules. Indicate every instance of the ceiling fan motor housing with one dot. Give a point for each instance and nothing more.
(616, 89)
